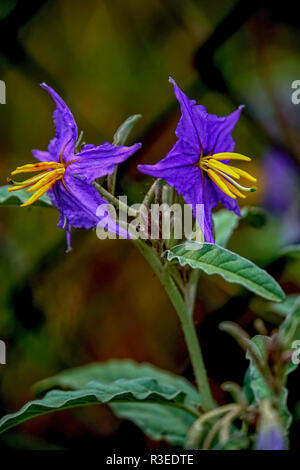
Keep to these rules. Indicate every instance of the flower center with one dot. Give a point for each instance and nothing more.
(223, 174)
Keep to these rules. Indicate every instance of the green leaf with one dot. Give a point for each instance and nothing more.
(122, 390)
(124, 130)
(214, 259)
(291, 251)
(157, 421)
(161, 420)
(225, 223)
(16, 198)
(112, 370)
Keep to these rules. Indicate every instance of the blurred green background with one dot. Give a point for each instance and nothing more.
(109, 59)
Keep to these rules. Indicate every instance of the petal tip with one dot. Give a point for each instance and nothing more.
(171, 80)
(144, 168)
(44, 85)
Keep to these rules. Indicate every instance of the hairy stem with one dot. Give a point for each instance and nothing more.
(115, 201)
(186, 319)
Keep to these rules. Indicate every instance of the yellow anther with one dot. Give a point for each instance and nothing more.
(218, 180)
(41, 183)
(215, 165)
(38, 194)
(32, 167)
(222, 174)
(231, 156)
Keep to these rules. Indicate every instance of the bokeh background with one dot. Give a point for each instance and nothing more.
(109, 59)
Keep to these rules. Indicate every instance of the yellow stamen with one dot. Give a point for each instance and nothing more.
(37, 194)
(243, 173)
(232, 188)
(51, 176)
(26, 183)
(222, 174)
(41, 183)
(37, 167)
(231, 156)
(218, 180)
(214, 164)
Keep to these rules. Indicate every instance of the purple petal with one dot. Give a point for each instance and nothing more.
(176, 169)
(92, 163)
(65, 128)
(187, 180)
(196, 125)
(219, 129)
(42, 155)
(175, 159)
(78, 205)
(191, 128)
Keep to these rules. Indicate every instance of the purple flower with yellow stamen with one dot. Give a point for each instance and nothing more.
(197, 166)
(66, 176)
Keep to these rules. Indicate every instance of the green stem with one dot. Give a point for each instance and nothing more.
(115, 201)
(187, 323)
(111, 181)
(191, 291)
(191, 341)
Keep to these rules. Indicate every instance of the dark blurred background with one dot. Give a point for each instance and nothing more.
(109, 59)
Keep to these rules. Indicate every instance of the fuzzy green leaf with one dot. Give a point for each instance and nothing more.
(166, 414)
(121, 391)
(214, 259)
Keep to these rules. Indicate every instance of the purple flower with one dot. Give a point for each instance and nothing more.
(280, 172)
(197, 166)
(271, 439)
(67, 176)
